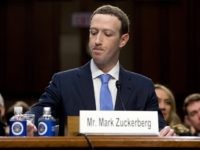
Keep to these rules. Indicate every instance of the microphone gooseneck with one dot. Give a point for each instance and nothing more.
(118, 86)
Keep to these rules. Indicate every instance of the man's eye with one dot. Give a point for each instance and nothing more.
(108, 34)
(92, 32)
(193, 114)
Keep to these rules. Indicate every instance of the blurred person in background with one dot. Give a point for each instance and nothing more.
(191, 107)
(167, 105)
(2, 117)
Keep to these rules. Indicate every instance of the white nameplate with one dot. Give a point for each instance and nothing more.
(119, 122)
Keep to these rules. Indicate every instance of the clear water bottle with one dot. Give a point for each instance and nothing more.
(46, 123)
(17, 123)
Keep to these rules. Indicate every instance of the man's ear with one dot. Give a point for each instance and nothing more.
(123, 40)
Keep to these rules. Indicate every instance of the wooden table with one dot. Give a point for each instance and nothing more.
(101, 142)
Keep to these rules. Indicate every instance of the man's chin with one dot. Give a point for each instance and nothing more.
(98, 60)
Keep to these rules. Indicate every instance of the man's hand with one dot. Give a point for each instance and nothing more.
(167, 131)
(31, 129)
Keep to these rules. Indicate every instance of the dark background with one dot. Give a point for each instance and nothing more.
(165, 39)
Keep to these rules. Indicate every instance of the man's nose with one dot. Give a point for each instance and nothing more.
(98, 39)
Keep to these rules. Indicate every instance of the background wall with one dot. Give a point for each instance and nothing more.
(37, 39)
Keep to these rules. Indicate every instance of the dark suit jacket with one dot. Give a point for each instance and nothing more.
(72, 90)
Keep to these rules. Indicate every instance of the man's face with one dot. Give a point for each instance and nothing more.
(193, 110)
(105, 40)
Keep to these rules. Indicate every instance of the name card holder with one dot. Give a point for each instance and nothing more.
(119, 122)
(72, 126)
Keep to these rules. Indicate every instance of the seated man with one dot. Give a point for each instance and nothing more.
(79, 89)
(192, 112)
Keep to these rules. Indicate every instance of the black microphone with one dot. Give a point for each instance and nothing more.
(118, 85)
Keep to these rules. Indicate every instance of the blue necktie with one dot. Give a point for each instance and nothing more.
(105, 95)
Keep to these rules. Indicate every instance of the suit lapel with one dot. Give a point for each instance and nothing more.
(87, 90)
(86, 87)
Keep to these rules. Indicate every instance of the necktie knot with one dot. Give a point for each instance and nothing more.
(105, 78)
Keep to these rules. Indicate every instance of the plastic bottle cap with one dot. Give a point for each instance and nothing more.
(18, 110)
(47, 109)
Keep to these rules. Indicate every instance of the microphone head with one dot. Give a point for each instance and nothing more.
(117, 83)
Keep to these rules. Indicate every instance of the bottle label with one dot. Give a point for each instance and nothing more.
(46, 128)
(17, 128)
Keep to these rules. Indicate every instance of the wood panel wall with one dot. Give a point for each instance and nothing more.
(166, 43)
(29, 46)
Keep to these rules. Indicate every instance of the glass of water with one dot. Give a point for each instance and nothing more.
(30, 118)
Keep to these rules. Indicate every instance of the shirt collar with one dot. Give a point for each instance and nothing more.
(114, 72)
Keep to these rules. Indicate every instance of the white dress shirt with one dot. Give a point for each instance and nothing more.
(96, 72)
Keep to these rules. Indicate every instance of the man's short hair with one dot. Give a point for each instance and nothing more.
(195, 97)
(117, 12)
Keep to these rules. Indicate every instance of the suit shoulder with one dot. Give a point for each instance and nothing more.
(67, 72)
(84, 69)
(139, 77)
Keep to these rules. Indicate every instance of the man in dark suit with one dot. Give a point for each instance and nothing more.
(79, 89)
